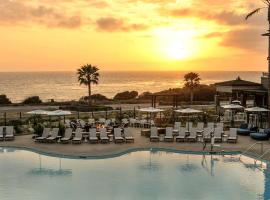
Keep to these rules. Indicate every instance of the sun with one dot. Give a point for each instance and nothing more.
(176, 44)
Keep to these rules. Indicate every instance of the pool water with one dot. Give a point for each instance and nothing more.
(141, 175)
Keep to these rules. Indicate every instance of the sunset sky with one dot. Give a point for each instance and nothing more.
(61, 35)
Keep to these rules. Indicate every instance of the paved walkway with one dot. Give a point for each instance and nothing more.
(86, 149)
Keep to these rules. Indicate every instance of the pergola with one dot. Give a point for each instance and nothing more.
(241, 90)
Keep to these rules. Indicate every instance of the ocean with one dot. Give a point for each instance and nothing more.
(62, 86)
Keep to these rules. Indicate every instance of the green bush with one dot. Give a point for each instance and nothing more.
(4, 99)
(32, 100)
(126, 95)
(38, 129)
(17, 125)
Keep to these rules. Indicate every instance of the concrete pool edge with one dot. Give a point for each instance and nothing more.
(119, 153)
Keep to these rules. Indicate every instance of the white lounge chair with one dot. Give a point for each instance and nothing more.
(78, 136)
(176, 128)
(128, 135)
(154, 135)
(207, 134)
(9, 133)
(67, 137)
(103, 136)
(182, 135)
(210, 125)
(233, 135)
(192, 135)
(200, 127)
(1, 133)
(169, 134)
(102, 120)
(189, 125)
(81, 123)
(218, 134)
(91, 121)
(125, 121)
(93, 136)
(118, 135)
(54, 135)
(107, 122)
(45, 134)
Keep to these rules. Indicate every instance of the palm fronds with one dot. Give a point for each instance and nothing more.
(253, 12)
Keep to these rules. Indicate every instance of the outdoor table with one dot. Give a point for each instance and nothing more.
(145, 132)
(161, 131)
(225, 137)
(200, 137)
(58, 138)
(111, 137)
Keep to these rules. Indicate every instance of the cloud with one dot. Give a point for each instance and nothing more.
(15, 12)
(249, 39)
(111, 24)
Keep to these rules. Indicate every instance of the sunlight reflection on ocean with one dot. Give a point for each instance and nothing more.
(64, 86)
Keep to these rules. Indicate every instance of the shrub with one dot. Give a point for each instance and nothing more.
(38, 129)
(17, 125)
(126, 95)
(32, 100)
(4, 99)
(94, 97)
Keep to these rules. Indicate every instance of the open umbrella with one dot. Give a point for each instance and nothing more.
(257, 110)
(232, 107)
(38, 112)
(188, 111)
(150, 110)
(59, 113)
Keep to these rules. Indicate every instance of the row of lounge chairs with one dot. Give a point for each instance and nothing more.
(6, 133)
(76, 137)
(192, 135)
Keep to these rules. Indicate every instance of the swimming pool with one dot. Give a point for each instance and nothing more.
(143, 175)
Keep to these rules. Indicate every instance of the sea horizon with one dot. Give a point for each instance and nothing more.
(63, 85)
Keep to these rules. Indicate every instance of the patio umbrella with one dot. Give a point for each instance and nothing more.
(188, 111)
(59, 113)
(257, 110)
(38, 112)
(232, 107)
(150, 110)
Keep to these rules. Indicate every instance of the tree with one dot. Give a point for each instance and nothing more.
(192, 81)
(88, 75)
(267, 3)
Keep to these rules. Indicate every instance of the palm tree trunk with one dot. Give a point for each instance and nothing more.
(268, 58)
(191, 96)
(89, 94)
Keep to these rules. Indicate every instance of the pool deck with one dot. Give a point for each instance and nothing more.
(141, 142)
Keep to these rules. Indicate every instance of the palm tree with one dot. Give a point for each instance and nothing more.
(267, 6)
(192, 80)
(88, 75)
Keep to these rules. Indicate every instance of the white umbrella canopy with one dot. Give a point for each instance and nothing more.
(232, 106)
(188, 111)
(236, 102)
(38, 112)
(150, 110)
(256, 109)
(59, 113)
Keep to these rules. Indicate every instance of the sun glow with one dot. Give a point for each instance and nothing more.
(176, 44)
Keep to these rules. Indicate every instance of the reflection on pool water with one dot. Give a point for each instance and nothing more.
(140, 175)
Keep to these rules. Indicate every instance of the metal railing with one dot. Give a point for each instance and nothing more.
(266, 152)
(251, 147)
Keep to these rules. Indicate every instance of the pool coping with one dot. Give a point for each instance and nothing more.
(121, 153)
